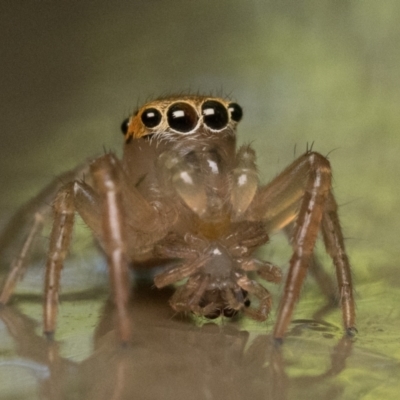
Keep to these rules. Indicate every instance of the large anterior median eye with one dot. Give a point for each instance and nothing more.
(182, 117)
(151, 117)
(215, 115)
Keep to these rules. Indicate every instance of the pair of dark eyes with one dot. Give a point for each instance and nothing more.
(182, 117)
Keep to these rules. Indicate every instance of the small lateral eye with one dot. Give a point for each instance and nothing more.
(151, 117)
(236, 112)
(182, 117)
(125, 125)
(215, 114)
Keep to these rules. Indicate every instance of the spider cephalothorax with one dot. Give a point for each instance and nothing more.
(184, 193)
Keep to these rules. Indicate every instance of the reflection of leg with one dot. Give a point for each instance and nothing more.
(339, 356)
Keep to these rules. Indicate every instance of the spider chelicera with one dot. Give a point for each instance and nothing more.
(185, 197)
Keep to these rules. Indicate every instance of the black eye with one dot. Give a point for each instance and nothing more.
(215, 114)
(236, 111)
(182, 117)
(125, 125)
(151, 117)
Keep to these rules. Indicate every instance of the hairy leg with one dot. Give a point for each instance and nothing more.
(261, 293)
(334, 244)
(129, 224)
(29, 220)
(106, 173)
(301, 195)
(60, 239)
(19, 264)
(74, 197)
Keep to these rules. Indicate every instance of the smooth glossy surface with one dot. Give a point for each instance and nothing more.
(182, 117)
(151, 117)
(215, 115)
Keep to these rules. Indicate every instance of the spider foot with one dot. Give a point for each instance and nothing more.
(263, 296)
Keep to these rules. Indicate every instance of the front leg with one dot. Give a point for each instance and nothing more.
(103, 209)
(302, 194)
(107, 177)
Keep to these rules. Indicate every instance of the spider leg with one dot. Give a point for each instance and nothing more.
(189, 295)
(19, 264)
(30, 218)
(76, 196)
(265, 269)
(106, 172)
(262, 294)
(22, 220)
(233, 298)
(305, 232)
(60, 238)
(323, 279)
(104, 210)
(180, 271)
(302, 194)
(174, 246)
(334, 244)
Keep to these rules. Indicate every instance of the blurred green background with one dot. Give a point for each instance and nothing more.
(322, 72)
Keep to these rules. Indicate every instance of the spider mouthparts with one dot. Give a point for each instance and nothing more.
(221, 305)
(227, 312)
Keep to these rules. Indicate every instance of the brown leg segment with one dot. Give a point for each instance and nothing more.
(262, 294)
(323, 279)
(302, 195)
(106, 175)
(305, 234)
(22, 222)
(18, 266)
(334, 244)
(104, 217)
(59, 244)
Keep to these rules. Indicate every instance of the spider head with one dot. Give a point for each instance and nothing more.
(184, 118)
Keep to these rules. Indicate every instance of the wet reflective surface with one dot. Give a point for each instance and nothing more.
(303, 73)
(171, 357)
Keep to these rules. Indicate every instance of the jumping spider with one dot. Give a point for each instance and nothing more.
(183, 193)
